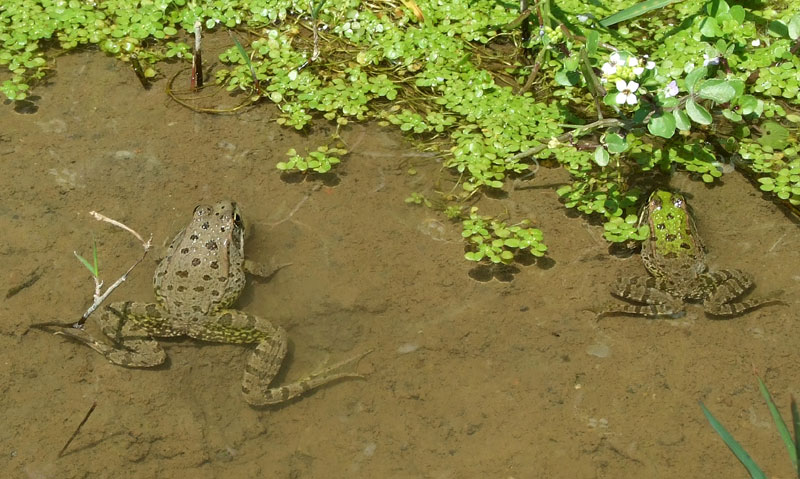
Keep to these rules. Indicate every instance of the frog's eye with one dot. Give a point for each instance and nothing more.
(678, 202)
(201, 210)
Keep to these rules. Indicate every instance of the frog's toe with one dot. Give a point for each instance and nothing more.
(135, 353)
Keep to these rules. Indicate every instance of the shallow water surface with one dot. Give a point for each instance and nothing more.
(468, 378)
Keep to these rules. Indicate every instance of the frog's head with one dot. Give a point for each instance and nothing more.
(660, 198)
(222, 221)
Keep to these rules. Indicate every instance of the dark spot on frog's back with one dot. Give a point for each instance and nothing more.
(181, 288)
(196, 262)
(211, 245)
(199, 289)
(182, 274)
(185, 250)
(214, 265)
(225, 320)
(194, 237)
(205, 225)
(152, 311)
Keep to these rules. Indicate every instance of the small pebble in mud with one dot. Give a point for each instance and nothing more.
(599, 350)
(407, 348)
(369, 449)
(226, 145)
(124, 155)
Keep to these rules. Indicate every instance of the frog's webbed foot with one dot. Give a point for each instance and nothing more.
(128, 327)
(232, 326)
(726, 286)
(645, 290)
(264, 271)
(134, 353)
(262, 367)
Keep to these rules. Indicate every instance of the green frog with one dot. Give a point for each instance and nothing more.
(196, 285)
(674, 256)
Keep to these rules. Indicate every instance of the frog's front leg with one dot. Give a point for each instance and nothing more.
(129, 326)
(262, 270)
(645, 290)
(233, 326)
(725, 286)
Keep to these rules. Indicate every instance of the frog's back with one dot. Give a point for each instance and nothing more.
(202, 271)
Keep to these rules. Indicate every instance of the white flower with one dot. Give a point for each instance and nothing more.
(650, 65)
(626, 92)
(756, 43)
(582, 18)
(710, 61)
(610, 67)
(633, 62)
(671, 89)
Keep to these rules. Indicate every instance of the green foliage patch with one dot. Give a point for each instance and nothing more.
(698, 86)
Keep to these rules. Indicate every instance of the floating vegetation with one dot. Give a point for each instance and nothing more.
(614, 97)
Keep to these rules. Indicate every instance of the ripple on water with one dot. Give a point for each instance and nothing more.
(433, 228)
(600, 350)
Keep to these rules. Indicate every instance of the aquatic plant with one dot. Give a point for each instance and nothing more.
(699, 86)
(792, 445)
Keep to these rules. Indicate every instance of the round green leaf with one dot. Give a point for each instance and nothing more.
(616, 143)
(697, 113)
(601, 156)
(694, 76)
(663, 125)
(682, 120)
(717, 90)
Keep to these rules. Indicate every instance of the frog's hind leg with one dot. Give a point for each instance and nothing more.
(645, 290)
(262, 366)
(726, 286)
(130, 327)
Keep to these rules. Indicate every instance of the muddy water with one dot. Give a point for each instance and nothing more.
(468, 379)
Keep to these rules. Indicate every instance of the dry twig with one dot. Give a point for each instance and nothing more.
(99, 296)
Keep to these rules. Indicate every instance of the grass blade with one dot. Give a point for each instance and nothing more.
(776, 416)
(734, 446)
(634, 11)
(246, 59)
(316, 9)
(86, 263)
(96, 270)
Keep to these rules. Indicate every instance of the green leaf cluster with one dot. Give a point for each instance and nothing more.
(320, 161)
(706, 82)
(493, 240)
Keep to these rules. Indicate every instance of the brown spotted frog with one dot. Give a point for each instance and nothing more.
(196, 285)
